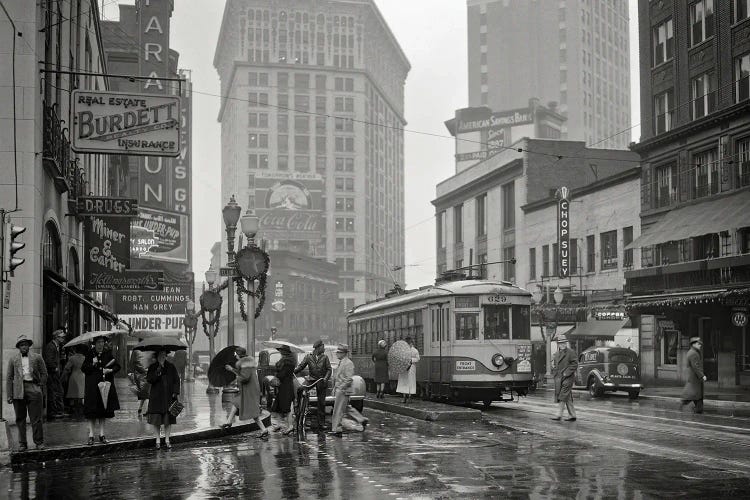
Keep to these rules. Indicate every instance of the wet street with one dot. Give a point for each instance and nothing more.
(617, 449)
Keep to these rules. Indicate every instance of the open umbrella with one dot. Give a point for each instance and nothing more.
(218, 376)
(144, 334)
(160, 343)
(88, 337)
(278, 343)
(399, 356)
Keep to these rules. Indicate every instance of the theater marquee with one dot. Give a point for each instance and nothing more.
(125, 123)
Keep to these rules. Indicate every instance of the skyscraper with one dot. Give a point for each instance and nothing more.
(312, 133)
(573, 53)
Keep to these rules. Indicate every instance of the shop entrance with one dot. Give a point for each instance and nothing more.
(710, 338)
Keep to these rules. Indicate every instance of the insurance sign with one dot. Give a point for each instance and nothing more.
(125, 123)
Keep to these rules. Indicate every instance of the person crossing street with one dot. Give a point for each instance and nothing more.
(564, 365)
(342, 390)
(693, 390)
(319, 367)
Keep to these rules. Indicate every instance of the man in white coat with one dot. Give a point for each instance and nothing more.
(407, 381)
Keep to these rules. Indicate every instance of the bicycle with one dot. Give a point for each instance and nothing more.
(303, 401)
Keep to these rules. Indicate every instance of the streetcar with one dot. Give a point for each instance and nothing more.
(473, 337)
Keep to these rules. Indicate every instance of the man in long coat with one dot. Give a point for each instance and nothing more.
(342, 390)
(693, 390)
(53, 359)
(564, 365)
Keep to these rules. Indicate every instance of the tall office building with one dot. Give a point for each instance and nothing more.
(311, 132)
(569, 52)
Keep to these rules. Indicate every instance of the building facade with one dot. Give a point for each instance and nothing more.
(41, 177)
(312, 135)
(693, 278)
(581, 62)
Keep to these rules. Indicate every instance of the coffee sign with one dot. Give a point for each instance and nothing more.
(125, 123)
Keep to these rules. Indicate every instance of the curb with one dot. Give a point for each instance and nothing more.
(711, 403)
(83, 451)
(423, 414)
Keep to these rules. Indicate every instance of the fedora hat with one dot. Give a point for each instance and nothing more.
(318, 343)
(693, 340)
(561, 338)
(284, 348)
(343, 348)
(23, 338)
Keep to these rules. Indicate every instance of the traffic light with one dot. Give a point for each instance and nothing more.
(12, 247)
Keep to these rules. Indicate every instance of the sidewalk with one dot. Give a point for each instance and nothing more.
(423, 410)
(65, 438)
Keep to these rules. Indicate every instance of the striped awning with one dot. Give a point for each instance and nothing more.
(708, 217)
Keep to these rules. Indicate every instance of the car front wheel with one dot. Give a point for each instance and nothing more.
(594, 390)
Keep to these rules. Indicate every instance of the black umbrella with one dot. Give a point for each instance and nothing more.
(218, 375)
(160, 343)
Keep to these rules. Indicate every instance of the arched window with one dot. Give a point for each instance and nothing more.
(51, 260)
(52, 270)
(74, 305)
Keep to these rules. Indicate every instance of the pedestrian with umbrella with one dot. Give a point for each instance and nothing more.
(100, 396)
(405, 356)
(245, 369)
(165, 386)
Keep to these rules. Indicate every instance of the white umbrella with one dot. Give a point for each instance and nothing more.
(399, 356)
(279, 343)
(88, 337)
(104, 391)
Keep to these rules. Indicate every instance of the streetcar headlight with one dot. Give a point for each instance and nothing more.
(498, 360)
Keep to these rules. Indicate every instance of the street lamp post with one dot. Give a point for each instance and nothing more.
(191, 326)
(250, 223)
(211, 303)
(558, 296)
(231, 213)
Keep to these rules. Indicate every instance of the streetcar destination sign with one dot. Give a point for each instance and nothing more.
(125, 123)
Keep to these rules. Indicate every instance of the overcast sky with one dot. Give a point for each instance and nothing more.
(432, 33)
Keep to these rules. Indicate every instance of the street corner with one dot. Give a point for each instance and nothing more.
(423, 410)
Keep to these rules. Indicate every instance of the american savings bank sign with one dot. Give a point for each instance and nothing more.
(125, 123)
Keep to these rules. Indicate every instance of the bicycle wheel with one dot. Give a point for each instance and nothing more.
(301, 413)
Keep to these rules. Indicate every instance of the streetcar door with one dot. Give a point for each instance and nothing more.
(438, 373)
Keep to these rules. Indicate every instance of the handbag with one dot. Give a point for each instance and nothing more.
(176, 408)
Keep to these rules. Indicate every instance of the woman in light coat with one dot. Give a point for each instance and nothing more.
(246, 369)
(76, 378)
(407, 381)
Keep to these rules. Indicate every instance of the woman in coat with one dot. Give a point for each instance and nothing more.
(139, 363)
(165, 387)
(99, 366)
(380, 358)
(285, 394)
(76, 378)
(407, 381)
(246, 370)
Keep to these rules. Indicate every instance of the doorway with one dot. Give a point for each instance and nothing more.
(710, 338)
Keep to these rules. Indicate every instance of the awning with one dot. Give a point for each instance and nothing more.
(712, 216)
(86, 301)
(599, 328)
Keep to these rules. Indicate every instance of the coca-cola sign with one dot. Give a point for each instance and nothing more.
(289, 205)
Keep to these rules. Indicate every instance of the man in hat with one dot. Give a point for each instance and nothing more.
(319, 367)
(564, 365)
(53, 360)
(342, 390)
(693, 390)
(24, 381)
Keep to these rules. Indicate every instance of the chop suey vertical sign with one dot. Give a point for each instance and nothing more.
(563, 231)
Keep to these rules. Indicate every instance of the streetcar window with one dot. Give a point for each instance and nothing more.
(496, 322)
(521, 323)
(466, 326)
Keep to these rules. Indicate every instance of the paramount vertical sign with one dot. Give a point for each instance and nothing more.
(563, 231)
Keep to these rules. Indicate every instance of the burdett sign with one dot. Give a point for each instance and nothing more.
(563, 231)
(125, 123)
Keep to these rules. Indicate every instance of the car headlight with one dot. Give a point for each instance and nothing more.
(498, 360)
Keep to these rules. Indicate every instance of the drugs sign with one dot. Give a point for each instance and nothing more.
(125, 123)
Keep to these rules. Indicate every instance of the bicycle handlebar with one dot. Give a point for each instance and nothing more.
(312, 385)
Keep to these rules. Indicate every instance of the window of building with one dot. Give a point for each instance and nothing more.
(466, 326)
(573, 256)
(283, 101)
(701, 21)
(669, 347)
(496, 322)
(344, 144)
(320, 104)
(590, 254)
(301, 124)
(283, 162)
(282, 123)
(532, 264)
(258, 161)
(321, 164)
(666, 185)
(258, 120)
(663, 40)
(609, 249)
(302, 103)
(301, 143)
(458, 224)
(555, 259)
(706, 173)
(343, 124)
(663, 112)
(741, 10)
(481, 218)
(440, 228)
(282, 80)
(509, 267)
(742, 77)
(704, 95)
(321, 144)
(509, 205)
(320, 124)
(301, 163)
(301, 81)
(258, 99)
(320, 82)
(627, 253)
(258, 141)
(545, 261)
(743, 161)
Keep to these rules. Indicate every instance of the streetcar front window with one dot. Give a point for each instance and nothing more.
(521, 322)
(496, 322)
(467, 326)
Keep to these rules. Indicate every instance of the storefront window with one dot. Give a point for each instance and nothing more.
(669, 347)
(466, 326)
